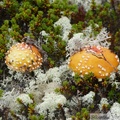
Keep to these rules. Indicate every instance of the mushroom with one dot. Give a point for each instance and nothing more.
(23, 57)
(96, 59)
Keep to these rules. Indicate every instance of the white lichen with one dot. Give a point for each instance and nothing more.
(113, 80)
(65, 25)
(74, 44)
(103, 102)
(10, 42)
(69, 119)
(40, 76)
(50, 103)
(112, 76)
(46, 82)
(87, 3)
(87, 38)
(25, 99)
(88, 98)
(52, 75)
(8, 99)
(39, 90)
(114, 113)
(51, 1)
(1, 3)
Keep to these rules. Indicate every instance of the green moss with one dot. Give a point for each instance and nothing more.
(82, 115)
(105, 15)
(1, 93)
(28, 111)
(114, 94)
(34, 117)
(29, 18)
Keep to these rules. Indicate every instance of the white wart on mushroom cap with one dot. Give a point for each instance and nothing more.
(23, 57)
(96, 59)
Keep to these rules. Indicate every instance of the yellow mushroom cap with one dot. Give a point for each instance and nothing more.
(23, 57)
(96, 59)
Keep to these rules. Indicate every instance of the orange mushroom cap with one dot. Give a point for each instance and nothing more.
(23, 57)
(96, 59)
